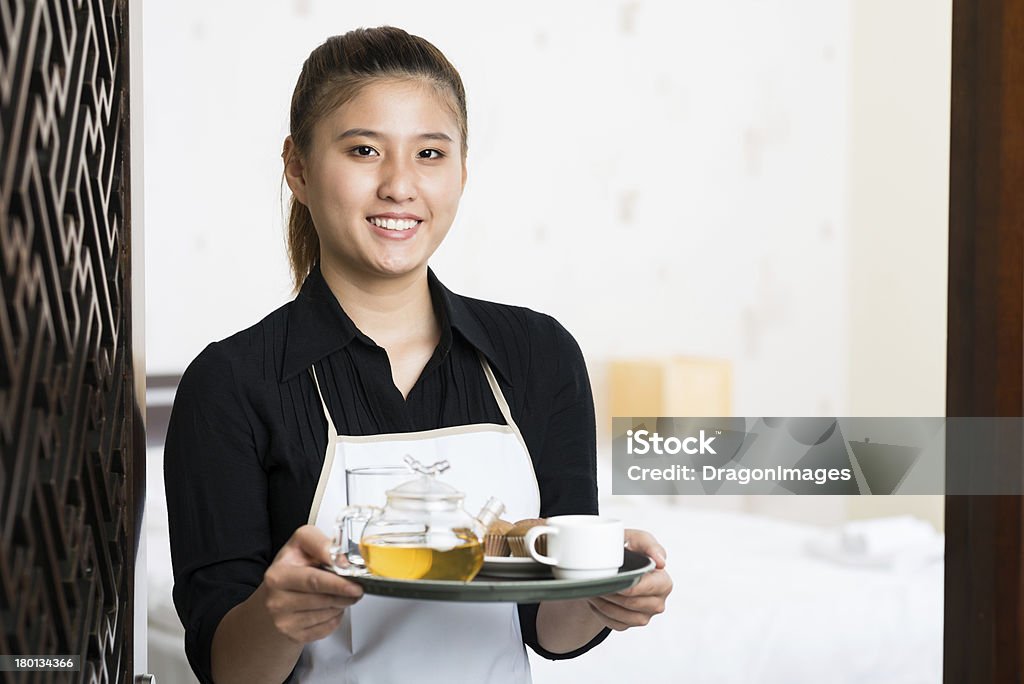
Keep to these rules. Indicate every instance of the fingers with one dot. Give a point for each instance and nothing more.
(310, 580)
(654, 583)
(319, 631)
(292, 601)
(314, 544)
(654, 605)
(309, 625)
(309, 619)
(616, 617)
(647, 597)
(621, 617)
(305, 602)
(636, 606)
(645, 543)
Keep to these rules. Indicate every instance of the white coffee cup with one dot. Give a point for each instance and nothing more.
(580, 546)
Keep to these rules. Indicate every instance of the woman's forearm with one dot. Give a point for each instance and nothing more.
(564, 626)
(247, 647)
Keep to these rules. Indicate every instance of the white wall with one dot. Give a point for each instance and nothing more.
(758, 181)
(663, 178)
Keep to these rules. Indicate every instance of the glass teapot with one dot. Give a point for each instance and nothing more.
(422, 532)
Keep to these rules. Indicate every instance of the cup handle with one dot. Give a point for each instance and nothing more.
(532, 535)
(338, 550)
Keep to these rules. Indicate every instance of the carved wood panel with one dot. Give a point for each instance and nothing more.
(68, 413)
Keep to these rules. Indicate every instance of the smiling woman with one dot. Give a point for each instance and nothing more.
(372, 348)
(337, 73)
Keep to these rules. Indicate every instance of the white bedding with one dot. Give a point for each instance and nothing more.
(750, 605)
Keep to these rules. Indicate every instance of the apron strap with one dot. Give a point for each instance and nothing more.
(506, 412)
(325, 471)
(331, 432)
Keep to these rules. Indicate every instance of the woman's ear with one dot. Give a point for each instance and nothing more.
(465, 174)
(294, 171)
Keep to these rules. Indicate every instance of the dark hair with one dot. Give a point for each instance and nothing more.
(336, 72)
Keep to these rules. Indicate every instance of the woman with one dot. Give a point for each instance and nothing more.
(375, 345)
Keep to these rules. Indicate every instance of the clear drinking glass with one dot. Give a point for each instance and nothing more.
(367, 487)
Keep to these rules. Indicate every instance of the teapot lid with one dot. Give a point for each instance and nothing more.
(426, 487)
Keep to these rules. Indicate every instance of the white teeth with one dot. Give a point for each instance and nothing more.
(393, 224)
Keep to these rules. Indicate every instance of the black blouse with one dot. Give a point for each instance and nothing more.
(246, 438)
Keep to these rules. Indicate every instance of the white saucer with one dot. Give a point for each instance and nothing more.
(512, 566)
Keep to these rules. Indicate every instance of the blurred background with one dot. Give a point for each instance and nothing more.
(737, 208)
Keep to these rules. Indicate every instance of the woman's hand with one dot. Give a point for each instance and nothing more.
(634, 607)
(305, 602)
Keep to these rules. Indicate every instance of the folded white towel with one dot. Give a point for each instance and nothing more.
(903, 542)
(883, 536)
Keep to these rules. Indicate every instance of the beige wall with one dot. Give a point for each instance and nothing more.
(782, 163)
(897, 239)
(896, 244)
(898, 205)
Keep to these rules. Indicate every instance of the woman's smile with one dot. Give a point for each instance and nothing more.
(394, 226)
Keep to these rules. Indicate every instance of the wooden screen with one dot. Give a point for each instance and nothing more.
(68, 417)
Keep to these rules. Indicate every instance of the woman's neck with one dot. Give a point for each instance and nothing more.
(390, 311)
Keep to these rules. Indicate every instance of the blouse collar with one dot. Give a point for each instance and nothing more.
(318, 326)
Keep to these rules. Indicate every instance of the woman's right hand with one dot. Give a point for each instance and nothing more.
(304, 601)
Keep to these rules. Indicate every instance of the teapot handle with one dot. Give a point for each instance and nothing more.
(344, 550)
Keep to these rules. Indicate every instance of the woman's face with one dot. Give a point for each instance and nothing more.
(383, 180)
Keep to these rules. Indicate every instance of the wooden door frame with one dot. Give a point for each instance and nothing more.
(984, 582)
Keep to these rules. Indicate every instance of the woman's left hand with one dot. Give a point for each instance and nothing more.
(636, 606)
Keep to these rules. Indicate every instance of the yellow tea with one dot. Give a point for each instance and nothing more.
(408, 556)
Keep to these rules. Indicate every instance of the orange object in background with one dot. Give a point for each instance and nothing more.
(673, 386)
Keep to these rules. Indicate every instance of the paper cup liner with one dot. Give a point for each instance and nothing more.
(495, 545)
(519, 549)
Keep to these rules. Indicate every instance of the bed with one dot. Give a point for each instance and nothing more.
(752, 603)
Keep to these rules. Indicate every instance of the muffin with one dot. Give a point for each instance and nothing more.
(517, 537)
(495, 543)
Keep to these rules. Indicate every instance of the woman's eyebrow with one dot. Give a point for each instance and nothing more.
(366, 133)
(358, 133)
(436, 136)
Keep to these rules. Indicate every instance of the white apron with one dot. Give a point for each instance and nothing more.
(388, 640)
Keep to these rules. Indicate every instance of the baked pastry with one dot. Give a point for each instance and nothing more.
(517, 537)
(495, 543)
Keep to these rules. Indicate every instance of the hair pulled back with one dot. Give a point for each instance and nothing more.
(334, 73)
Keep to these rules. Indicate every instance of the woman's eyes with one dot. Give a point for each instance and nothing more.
(367, 151)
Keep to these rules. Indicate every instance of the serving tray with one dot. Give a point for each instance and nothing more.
(494, 589)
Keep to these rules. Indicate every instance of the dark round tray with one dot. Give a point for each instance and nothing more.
(495, 589)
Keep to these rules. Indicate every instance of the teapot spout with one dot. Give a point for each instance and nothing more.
(491, 511)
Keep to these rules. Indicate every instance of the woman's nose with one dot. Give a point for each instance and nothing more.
(397, 181)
